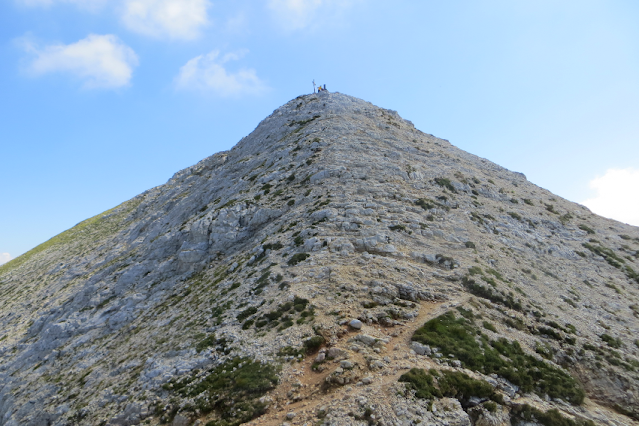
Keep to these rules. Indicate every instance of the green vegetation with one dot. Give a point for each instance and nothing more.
(91, 230)
(425, 203)
(297, 258)
(525, 414)
(246, 313)
(451, 384)
(232, 390)
(397, 228)
(494, 296)
(612, 259)
(611, 341)
(205, 343)
(445, 183)
(586, 228)
(514, 215)
(564, 219)
(528, 201)
(461, 338)
(284, 315)
(470, 244)
(489, 326)
(313, 344)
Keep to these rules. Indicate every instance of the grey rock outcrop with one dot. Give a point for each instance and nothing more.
(291, 273)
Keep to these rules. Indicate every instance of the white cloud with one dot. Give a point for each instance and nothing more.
(208, 72)
(294, 15)
(178, 19)
(101, 61)
(617, 195)
(4, 258)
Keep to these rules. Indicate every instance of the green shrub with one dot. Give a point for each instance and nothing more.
(490, 406)
(397, 228)
(445, 183)
(205, 343)
(231, 389)
(489, 326)
(457, 336)
(425, 204)
(528, 201)
(246, 313)
(525, 414)
(297, 258)
(514, 215)
(494, 296)
(611, 341)
(470, 244)
(451, 384)
(586, 228)
(313, 344)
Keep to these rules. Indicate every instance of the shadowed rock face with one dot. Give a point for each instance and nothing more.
(227, 293)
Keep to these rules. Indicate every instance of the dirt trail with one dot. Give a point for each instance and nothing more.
(309, 387)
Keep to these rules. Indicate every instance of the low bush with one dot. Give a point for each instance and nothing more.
(297, 258)
(451, 384)
(445, 183)
(525, 414)
(232, 390)
(459, 337)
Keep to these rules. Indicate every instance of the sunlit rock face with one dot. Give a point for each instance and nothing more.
(339, 267)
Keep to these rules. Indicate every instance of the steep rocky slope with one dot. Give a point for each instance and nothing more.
(337, 266)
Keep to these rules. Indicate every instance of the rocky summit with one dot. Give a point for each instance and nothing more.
(336, 267)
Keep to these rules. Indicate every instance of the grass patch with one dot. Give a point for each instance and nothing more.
(207, 342)
(514, 215)
(461, 338)
(91, 230)
(445, 183)
(525, 414)
(232, 390)
(297, 258)
(451, 384)
(494, 296)
(586, 228)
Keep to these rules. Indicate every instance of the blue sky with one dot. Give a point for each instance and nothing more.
(103, 99)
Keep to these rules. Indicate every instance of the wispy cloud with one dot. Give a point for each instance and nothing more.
(208, 73)
(4, 258)
(616, 195)
(177, 19)
(294, 15)
(173, 19)
(100, 61)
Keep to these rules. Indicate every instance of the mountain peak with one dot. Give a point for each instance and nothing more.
(336, 266)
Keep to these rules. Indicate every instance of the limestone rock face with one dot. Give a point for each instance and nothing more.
(294, 273)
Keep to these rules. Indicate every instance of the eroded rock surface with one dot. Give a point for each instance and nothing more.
(284, 280)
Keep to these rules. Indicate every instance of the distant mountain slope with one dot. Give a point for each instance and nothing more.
(337, 266)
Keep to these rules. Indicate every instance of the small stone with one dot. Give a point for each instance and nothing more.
(420, 349)
(356, 324)
(291, 415)
(346, 364)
